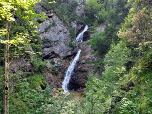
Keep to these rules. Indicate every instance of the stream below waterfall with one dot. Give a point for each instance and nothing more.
(72, 65)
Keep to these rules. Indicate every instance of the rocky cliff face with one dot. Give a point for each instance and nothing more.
(55, 37)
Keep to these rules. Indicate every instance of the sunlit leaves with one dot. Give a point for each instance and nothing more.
(139, 31)
(6, 11)
(23, 11)
(19, 39)
(3, 32)
(52, 2)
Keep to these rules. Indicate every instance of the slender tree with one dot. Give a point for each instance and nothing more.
(7, 15)
(9, 8)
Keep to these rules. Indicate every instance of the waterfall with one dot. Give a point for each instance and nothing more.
(69, 72)
(79, 38)
(70, 69)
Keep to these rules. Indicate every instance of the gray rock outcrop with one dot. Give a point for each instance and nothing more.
(55, 37)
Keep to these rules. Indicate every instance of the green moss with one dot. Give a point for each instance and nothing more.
(46, 40)
(70, 44)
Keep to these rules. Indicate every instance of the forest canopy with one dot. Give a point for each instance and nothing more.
(123, 50)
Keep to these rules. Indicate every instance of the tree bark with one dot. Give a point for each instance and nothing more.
(6, 72)
(148, 8)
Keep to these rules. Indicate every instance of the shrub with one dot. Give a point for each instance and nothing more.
(72, 44)
(47, 40)
(36, 80)
(115, 61)
(38, 65)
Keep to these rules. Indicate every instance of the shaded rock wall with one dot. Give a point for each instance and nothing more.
(83, 67)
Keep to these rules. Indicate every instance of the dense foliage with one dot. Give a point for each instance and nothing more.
(126, 80)
(17, 33)
(110, 13)
(126, 84)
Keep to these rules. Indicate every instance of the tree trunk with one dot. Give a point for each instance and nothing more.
(6, 72)
(148, 9)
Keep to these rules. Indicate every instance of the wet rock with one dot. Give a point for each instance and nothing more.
(47, 45)
(27, 67)
(74, 24)
(86, 36)
(50, 15)
(80, 8)
(80, 75)
(42, 1)
(51, 80)
(55, 31)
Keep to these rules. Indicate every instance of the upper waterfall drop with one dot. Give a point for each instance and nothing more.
(79, 38)
(70, 69)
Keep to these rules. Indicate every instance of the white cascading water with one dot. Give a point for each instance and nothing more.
(69, 72)
(79, 38)
(73, 63)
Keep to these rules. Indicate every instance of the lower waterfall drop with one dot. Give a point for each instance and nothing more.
(69, 71)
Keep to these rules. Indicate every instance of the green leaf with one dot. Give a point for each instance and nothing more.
(52, 2)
